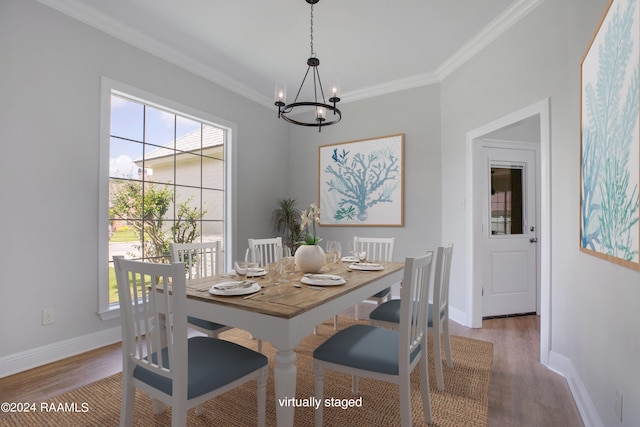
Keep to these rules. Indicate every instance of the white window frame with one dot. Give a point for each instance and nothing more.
(108, 311)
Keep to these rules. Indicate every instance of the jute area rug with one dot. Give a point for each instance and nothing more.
(463, 403)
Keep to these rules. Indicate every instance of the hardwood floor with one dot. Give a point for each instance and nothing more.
(522, 391)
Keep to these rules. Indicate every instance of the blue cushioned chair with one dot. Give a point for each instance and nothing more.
(388, 314)
(201, 260)
(388, 355)
(161, 360)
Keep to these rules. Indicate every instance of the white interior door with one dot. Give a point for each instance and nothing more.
(507, 193)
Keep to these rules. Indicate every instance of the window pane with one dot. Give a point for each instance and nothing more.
(124, 158)
(189, 169)
(159, 127)
(212, 173)
(506, 201)
(126, 118)
(213, 204)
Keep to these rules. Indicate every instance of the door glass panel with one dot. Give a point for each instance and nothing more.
(506, 200)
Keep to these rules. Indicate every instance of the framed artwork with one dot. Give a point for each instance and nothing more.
(362, 182)
(610, 157)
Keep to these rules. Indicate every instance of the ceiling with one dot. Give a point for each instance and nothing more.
(369, 47)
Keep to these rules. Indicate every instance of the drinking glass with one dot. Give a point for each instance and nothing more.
(282, 252)
(337, 249)
(275, 273)
(362, 255)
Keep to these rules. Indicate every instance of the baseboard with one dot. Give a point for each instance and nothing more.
(458, 316)
(564, 366)
(14, 363)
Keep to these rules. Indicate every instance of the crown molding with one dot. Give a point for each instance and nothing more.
(497, 27)
(77, 10)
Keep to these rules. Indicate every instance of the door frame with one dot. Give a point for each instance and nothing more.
(474, 283)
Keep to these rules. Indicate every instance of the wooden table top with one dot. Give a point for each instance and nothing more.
(284, 300)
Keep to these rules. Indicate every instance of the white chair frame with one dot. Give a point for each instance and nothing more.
(412, 334)
(439, 318)
(269, 249)
(201, 259)
(141, 338)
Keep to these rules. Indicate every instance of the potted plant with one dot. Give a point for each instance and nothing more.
(310, 257)
(286, 222)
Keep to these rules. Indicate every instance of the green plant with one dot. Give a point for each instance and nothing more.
(286, 222)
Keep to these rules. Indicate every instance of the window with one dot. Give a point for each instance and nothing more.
(166, 181)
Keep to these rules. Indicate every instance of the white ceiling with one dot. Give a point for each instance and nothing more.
(368, 47)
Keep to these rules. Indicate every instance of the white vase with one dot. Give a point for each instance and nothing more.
(310, 258)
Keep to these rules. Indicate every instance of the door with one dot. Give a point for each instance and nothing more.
(508, 243)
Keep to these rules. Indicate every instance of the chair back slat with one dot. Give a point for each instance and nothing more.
(270, 249)
(141, 306)
(202, 259)
(441, 279)
(377, 248)
(414, 298)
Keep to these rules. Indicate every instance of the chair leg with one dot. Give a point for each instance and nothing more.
(179, 414)
(128, 402)
(437, 353)
(158, 407)
(319, 375)
(447, 342)
(405, 399)
(355, 309)
(199, 409)
(335, 322)
(259, 346)
(355, 384)
(262, 396)
(424, 390)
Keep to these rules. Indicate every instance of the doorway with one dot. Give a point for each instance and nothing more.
(506, 239)
(524, 128)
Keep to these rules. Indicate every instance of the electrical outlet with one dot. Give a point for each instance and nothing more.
(619, 405)
(48, 316)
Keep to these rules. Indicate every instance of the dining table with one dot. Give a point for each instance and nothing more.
(286, 312)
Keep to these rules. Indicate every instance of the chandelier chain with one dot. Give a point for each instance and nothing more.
(311, 33)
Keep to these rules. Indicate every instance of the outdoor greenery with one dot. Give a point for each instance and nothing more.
(146, 215)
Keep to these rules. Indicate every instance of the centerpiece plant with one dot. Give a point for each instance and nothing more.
(310, 257)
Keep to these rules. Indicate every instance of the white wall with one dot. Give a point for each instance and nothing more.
(50, 73)
(594, 315)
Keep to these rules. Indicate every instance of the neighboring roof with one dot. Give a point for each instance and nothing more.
(211, 137)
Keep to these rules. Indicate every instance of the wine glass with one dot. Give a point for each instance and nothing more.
(353, 249)
(362, 255)
(252, 257)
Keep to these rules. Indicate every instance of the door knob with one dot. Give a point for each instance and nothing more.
(533, 239)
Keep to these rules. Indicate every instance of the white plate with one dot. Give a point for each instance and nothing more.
(348, 259)
(234, 288)
(323, 280)
(366, 266)
(256, 272)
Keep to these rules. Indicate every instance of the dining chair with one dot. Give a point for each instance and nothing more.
(163, 361)
(384, 354)
(201, 260)
(378, 249)
(270, 249)
(388, 314)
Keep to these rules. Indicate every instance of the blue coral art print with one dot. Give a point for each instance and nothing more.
(361, 182)
(610, 158)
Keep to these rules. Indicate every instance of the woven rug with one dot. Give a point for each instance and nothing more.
(464, 402)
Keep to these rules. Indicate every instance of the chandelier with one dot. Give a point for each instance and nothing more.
(319, 104)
